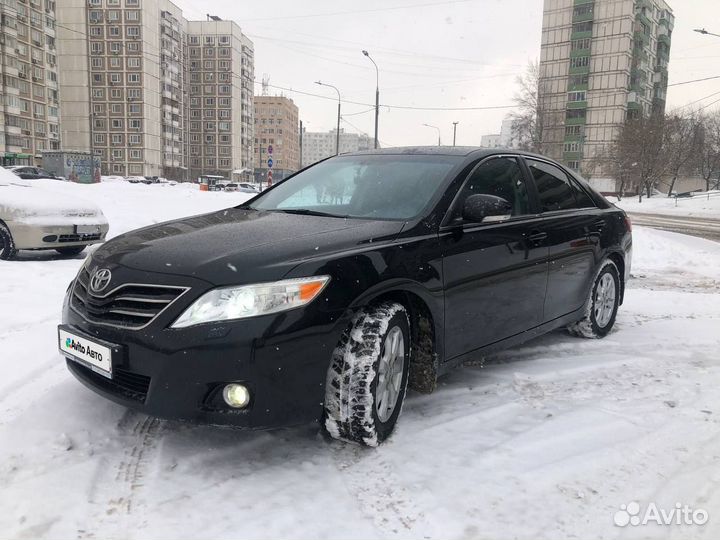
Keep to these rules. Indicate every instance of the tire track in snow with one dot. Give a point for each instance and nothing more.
(122, 489)
(378, 490)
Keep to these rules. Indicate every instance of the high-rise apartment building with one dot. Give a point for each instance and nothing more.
(601, 61)
(152, 94)
(220, 89)
(319, 145)
(29, 115)
(276, 125)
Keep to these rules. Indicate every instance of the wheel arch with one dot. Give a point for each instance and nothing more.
(426, 317)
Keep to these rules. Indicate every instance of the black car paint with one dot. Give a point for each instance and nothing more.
(486, 287)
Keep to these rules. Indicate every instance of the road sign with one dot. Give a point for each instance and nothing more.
(270, 149)
(270, 162)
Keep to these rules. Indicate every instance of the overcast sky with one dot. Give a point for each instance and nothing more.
(431, 53)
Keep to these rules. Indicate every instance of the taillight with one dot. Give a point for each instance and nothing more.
(628, 223)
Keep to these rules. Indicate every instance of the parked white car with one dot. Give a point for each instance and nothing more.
(34, 217)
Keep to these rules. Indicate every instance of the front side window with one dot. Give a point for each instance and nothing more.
(556, 190)
(500, 177)
(390, 187)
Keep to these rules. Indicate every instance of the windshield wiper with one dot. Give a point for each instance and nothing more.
(306, 212)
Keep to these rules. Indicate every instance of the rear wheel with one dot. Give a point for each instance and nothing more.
(602, 305)
(7, 245)
(368, 376)
(70, 250)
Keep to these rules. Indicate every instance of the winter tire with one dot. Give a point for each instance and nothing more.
(602, 304)
(368, 375)
(70, 250)
(7, 245)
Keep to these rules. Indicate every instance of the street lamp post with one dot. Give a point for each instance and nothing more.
(454, 131)
(337, 134)
(705, 32)
(434, 127)
(377, 95)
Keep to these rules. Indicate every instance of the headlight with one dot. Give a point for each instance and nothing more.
(227, 303)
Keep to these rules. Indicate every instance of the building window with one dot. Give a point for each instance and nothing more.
(574, 165)
(96, 31)
(134, 139)
(575, 113)
(580, 44)
(194, 40)
(577, 96)
(580, 61)
(134, 123)
(132, 16)
(133, 78)
(117, 123)
(585, 9)
(117, 138)
(573, 146)
(582, 27)
(209, 40)
(579, 80)
(573, 130)
(133, 62)
(132, 31)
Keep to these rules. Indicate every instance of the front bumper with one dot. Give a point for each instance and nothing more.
(179, 373)
(50, 236)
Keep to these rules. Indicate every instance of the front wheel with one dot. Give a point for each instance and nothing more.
(602, 305)
(70, 250)
(368, 375)
(7, 245)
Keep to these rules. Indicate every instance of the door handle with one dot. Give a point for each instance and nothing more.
(537, 237)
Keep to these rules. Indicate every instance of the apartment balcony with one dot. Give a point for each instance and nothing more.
(572, 156)
(577, 105)
(664, 39)
(579, 70)
(53, 119)
(581, 35)
(643, 19)
(640, 37)
(583, 18)
(12, 130)
(575, 121)
(582, 2)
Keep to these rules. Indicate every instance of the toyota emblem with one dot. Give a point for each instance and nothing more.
(100, 279)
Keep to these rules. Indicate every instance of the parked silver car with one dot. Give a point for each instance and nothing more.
(33, 217)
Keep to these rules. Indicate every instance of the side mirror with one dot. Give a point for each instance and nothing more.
(479, 207)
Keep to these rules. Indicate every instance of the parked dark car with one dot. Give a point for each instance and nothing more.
(27, 172)
(327, 295)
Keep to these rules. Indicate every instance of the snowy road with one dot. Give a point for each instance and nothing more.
(703, 227)
(544, 441)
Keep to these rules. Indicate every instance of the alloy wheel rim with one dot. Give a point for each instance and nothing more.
(604, 300)
(390, 374)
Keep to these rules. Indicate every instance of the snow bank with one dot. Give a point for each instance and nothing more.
(699, 205)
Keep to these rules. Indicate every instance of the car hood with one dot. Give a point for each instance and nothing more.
(21, 200)
(237, 246)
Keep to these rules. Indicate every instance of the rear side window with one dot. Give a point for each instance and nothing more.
(556, 190)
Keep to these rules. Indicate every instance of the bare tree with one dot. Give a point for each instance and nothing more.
(527, 122)
(640, 150)
(681, 144)
(616, 164)
(707, 158)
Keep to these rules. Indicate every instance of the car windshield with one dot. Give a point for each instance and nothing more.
(395, 187)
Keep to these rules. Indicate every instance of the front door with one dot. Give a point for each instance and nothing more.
(495, 272)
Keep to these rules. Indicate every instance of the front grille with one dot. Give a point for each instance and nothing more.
(78, 237)
(124, 383)
(132, 305)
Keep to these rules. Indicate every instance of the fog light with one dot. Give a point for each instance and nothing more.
(236, 395)
(50, 238)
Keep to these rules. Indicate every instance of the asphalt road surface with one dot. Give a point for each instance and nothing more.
(703, 227)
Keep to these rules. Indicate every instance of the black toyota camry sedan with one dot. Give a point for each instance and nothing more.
(325, 297)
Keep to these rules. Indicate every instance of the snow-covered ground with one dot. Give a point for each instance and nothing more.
(698, 206)
(546, 441)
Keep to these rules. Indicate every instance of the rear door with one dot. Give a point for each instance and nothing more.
(495, 272)
(571, 221)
